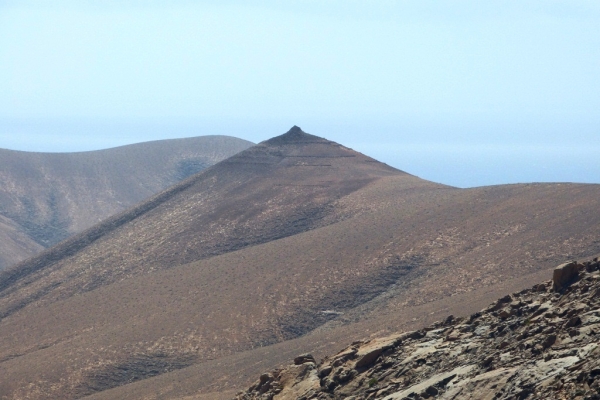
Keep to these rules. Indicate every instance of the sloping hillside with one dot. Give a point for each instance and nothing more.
(47, 197)
(296, 244)
(539, 343)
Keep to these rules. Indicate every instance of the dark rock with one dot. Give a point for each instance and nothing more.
(474, 316)
(432, 391)
(325, 371)
(539, 287)
(344, 374)
(418, 334)
(503, 345)
(304, 358)
(505, 299)
(573, 321)
(328, 384)
(564, 274)
(268, 377)
(549, 341)
(487, 362)
(369, 358)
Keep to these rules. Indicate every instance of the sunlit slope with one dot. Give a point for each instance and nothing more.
(457, 274)
(276, 189)
(47, 197)
(296, 236)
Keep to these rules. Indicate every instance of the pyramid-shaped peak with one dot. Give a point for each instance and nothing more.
(295, 130)
(295, 135)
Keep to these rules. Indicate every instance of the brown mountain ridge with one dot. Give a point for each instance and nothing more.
(293, 245)
(47, 197)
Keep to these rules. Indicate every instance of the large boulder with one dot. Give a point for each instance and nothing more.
(564, 274)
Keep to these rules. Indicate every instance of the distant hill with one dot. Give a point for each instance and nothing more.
(47, 197)
(296, 244)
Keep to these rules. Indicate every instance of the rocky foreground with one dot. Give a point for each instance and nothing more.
(541, 343)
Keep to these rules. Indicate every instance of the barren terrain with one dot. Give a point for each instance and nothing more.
(538, 343)
(47, 197)
(297, 244)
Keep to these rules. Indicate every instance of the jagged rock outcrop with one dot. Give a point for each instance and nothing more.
(541, 343)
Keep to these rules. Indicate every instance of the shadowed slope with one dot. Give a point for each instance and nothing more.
(295, 236)
(50, 196)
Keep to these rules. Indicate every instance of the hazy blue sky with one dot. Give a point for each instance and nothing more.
(462, 92)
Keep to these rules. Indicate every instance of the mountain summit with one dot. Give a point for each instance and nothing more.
(295, 135)
(296, 148)
(278, 188)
